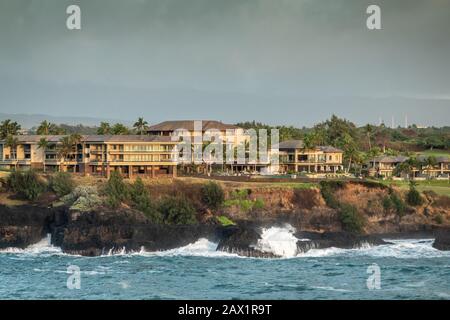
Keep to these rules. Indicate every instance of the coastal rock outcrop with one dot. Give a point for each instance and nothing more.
(21, 226)
(442, 241)
(246, 240)
(102, 232)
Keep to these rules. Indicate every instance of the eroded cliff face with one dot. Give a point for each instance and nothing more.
(104, 230)
(21, 226)
(306, 209)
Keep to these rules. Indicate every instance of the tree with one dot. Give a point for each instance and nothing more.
(140, 126)
(430, 162)
(7, 128)
(119, 129)
(140, 198)
(104, 128)
(177, 210)
(413, 197)
(12, 142)
(116, 190)
(212, 195)
(26, 184)
(43, 144)
(67, 146)
(62, 183)
(44, 128)
(369, 131)
(348, 145)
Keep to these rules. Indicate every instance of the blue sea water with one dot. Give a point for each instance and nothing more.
(409, 269)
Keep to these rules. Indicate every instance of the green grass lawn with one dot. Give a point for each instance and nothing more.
(438, 186)
(435, 152)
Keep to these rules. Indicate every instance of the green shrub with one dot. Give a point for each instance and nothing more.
(327, 190)
(246, 205)
(224, 221)
(388, 205)
(62, 183)
(351, 219)
(399, 205)
(212, 195)
(116, 190)
(83, 198)
(26, 184)
(439, 219)
(240, 194)
(141, 200)
(413, 197)
(258, 204)
(177, 210)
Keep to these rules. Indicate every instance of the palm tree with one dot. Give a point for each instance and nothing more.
(119, 129)
(64, 149)
(44, 128)
(369, 130)
(43, 144)
(140, 125)
(67, 145)
(7, 127)
(105, 128)
(12, 142)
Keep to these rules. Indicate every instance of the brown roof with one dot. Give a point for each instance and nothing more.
(189, 125)
(291, 144)
(298, 144)
(96, 138)
(389, 159)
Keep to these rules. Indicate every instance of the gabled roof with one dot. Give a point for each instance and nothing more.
(298, 144)
(189, 125)
(439, 159)
(35, 138)
(389, 159)
(291, 144)
(328, 149)
(95, 138)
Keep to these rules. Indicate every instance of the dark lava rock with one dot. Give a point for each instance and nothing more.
(343, 240)
(241, 240)
(442, 241)
(21, 226)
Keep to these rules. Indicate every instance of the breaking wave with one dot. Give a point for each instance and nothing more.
(401, 249)
(279, 241)
(42, 247)
(201, 248)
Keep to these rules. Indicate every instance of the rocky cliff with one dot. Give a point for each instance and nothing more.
(103, 230)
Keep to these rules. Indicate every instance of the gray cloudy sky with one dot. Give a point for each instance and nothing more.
(277, 61)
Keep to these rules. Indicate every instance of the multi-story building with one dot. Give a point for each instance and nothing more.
(197, 128)
(95, 155)
(294, 157)
(385, 165)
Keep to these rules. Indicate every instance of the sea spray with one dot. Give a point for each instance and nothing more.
(279, 241)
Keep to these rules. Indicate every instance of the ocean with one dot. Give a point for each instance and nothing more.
(405, 269)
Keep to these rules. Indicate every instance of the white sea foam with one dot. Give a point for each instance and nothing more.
(42, 247)
(401, 249)
(279, 241)
(202, 247)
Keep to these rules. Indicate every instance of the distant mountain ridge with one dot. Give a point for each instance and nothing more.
(27, 121)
